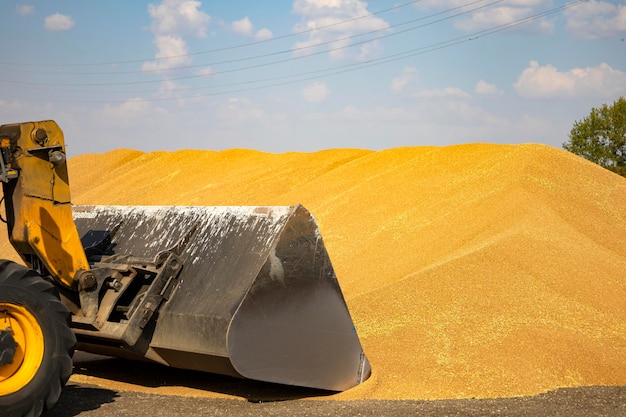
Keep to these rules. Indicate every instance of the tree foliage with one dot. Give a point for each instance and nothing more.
(601, 137)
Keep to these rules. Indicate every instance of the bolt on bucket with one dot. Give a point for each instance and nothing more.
(257, 296)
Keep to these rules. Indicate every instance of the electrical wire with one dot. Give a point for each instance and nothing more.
(227, 48)
(282, 52)
(323, 73)
(281, 61)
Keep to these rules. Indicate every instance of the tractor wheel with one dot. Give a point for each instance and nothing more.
(36, 342)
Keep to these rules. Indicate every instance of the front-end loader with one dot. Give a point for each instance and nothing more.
(242, 291)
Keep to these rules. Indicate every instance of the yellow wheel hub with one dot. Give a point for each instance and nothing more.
(28, 335)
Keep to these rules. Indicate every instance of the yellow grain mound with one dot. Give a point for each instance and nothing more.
(470, 271)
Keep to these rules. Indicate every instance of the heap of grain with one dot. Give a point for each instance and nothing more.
(470, 271)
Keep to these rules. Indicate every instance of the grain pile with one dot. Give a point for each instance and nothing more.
(470, 271)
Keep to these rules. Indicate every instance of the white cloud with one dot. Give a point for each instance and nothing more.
(380, 115)
(484, 88)
(167, 88)
(263, 34)
(499, 16)
(130, 111)
(133, 105)
(172, 20)
(179, 16)
(489, 16)
(243, 26)
(547, 81)
(399, 83)
(370, 50)
(206, 71)
(316, 92)
(171, 53)
(246, 28)
(448, 92)
(58, 22)
(447, 4)
(24, 10)
(596, 19)
(421, 124)
(237, 111)
(174, 92)
(321, 14)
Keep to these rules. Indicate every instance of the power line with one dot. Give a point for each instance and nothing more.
(227, 48)
(291, 50)
(307, 76)
(282, 61)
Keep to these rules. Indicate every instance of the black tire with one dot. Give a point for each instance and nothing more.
(25, 288)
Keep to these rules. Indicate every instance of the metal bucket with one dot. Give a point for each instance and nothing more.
(257, 296)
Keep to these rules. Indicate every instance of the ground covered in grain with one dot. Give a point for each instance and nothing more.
(470, 271)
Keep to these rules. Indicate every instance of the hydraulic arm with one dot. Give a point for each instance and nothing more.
(37, 200)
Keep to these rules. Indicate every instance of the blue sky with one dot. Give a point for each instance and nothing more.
(306, 75)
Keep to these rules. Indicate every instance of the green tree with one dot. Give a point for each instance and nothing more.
(601, 137)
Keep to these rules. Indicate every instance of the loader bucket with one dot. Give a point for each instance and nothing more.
(257, 296)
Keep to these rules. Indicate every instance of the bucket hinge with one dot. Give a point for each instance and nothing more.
(150, 301)
(156, 278)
